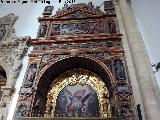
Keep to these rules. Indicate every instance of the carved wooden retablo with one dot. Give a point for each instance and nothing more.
(77, 67)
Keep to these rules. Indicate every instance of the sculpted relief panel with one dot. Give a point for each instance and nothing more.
(26, 92)
(71, 28)
(77, 28)
(107, 44)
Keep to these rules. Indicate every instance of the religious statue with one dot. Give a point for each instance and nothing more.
(112, 27)
(119, 70)
(32, 72)
(42, 30)
(25, 97)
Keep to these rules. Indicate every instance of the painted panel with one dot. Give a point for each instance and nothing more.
(77, 28)
(77, 101)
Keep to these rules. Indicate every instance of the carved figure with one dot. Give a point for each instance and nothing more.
(124, 96)
(42, 30)
(28, 84)
(99, 27)
(32, 72)
(48, 9)
(119, 70)
(21, 111)
(112, 27)
(25, 97)
(22, 97)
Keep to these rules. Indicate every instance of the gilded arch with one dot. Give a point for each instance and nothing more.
(79, 77)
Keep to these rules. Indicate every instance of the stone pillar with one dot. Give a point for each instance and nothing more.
(5, 101)
(141, 75)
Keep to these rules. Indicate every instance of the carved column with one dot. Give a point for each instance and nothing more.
(138, 62)
(5, 102)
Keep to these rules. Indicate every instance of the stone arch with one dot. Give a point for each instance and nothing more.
(3, 76)
(3, 79)
(4, 66)
(54, 68)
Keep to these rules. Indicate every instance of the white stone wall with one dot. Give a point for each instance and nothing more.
(12, 50)
(144, 87)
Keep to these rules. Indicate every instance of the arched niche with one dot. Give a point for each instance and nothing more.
(3, 79)
(53, 69)
(74, 93)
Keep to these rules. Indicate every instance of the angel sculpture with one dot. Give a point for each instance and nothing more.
(77, 106)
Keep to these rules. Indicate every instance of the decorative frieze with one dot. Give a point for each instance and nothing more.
(84, 27)
(107, 44)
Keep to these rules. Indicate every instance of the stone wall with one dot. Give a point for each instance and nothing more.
(12, 51)
(141, 75)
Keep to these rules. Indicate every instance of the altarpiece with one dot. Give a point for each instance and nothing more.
(77, 68)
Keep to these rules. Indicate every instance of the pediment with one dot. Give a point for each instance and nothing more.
(78, 11)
